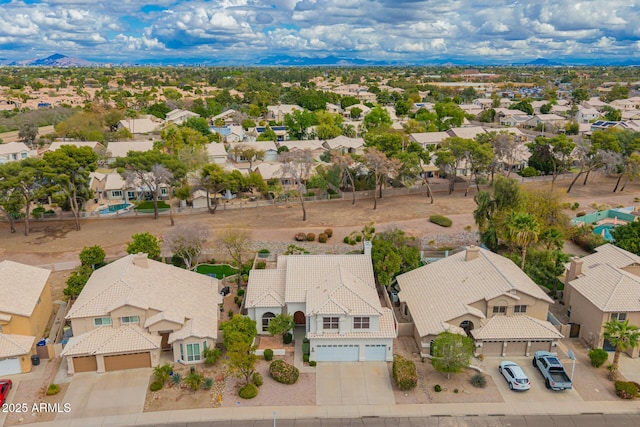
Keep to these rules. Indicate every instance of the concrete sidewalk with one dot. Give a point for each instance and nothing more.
(356, 411)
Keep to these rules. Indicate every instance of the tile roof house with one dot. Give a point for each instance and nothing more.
(351, 145)
(134, 308)
(426, 139)
(278, 112)
(482, 294)
(25, 309)
(333, 297)
(14, 151)
(121, 148)
(140, 126)
(94, 145)
(179, 116)
(601, 287)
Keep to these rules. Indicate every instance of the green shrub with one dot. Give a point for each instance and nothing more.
(626, 390)
(257, 379)
(283, 372)
(529, 171)
(306, 347)
(305, 340)
(245, 278)
(208, 383)
(358, 238)
(268, 355)
(441, 220)
(211, 355)
(161, 373)
(305, 358)
(248, 392)
(287, 338)
(311, 237)
(479, 380)
(455, 390)
(347, 240)
(237, 300)
(329, 232)
(155, 386)
(261, 265)
(322, 238)
(313, 363)
(264, 251)
(575, 206)
(598, 356)
(437, 388)
(230, 314)
(404, 373)
(176, 378)
(240, 292)
(55, 389)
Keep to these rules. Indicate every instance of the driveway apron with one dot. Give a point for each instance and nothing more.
(353, 383)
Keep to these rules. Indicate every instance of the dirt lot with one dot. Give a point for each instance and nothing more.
(429, 377)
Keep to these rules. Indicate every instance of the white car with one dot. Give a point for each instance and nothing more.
(515, 376)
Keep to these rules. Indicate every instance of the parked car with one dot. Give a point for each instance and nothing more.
(5, 386)
(515, 376)
(552, 370)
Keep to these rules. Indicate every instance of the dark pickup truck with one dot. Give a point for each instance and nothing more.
(552, 370)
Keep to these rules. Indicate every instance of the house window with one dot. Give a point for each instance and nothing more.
(360, 323)
(330, 322)
(620, 317)
(181, 352)
(129, 319)
(116, 193)
(101, 321)
(266, 318)
(520, 309)
(499, 309)
(131, 195)
(163, 191)
(193, 352)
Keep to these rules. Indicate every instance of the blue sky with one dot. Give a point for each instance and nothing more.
(398, 31)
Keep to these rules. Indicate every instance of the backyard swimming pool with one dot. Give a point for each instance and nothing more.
(604, 230)
(114, 208)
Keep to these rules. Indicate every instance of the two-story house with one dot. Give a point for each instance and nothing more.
(25, 309)
(135, 308)
(481, 294)
(333, 297)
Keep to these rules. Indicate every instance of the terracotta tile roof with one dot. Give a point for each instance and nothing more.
(15, 345)
(500, 328)
(608, 254)
(20, 287)
(445, 289)
(266, 288)
(387, 330)
(109, 340)
(609, 288)
(178, 293)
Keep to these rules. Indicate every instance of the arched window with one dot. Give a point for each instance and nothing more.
(266, 318)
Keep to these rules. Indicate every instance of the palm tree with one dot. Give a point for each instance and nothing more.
(523, 230)
(622, 336)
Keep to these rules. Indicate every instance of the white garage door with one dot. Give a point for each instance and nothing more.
(337, 353)
(10, 366)
(375, 352)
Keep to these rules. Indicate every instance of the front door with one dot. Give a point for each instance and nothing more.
(164, 344)
(299, 318)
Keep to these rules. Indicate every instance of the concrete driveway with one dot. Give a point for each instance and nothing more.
(94, 395)
(353, 383)
(537, 393)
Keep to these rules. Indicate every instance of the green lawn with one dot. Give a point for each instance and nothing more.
(149, 205)
(220, 270)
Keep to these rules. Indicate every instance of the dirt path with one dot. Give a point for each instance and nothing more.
(56, 241)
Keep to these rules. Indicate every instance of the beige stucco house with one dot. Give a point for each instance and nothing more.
(482, 294)
(601, 287)
(333, 297)
(135, 308)
(25, 309)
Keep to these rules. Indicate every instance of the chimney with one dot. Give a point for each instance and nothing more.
(575, 269)
(472, 253)
(141, 260)
(367, 247)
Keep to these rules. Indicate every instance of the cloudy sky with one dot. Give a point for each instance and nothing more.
(243, 31)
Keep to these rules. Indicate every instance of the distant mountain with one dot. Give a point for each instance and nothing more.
(542, 62)
(55, 60)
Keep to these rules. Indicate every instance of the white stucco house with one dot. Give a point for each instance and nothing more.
(333, 297)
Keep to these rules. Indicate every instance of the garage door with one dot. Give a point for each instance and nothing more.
(85, 364)
(127, 361)
(375, 352)
(492, 348)
(517, 348)
(337, 353)
(10, 366)
(539, 346)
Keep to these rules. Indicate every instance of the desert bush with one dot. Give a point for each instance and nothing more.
(329, 232)
(311, 237)
(305, 358)
(264, 251)
(322, 238)
(55, 389)
(300, 237)
(404, 372)
(208, 383)
(268, 355)
(598, 356)
(479, 380)
(257, 379)
(313, 363)
(194, 380)
(237, 300)
(283, 372)
(441, 220)
(211, 355)
(176, 378)
(249, 391)
(575, 206)
(240, 292)
(162, 373)
(529, 171)
(261, 265)
(437, 388)
(155, 386)
(626, 390)
(287, 338)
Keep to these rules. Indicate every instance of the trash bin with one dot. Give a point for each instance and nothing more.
(35, 360)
